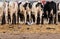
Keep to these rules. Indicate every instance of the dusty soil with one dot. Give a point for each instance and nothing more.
(21, 31)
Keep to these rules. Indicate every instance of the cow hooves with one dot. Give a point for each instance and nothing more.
(2, 24)
(37, 24)
(56, 24)
(26, 23)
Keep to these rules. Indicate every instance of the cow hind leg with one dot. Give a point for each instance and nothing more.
(14, 19)
(55, 20)
(21, 17)
(38, 19)
(3, 20)
(18, 18)
(33, 18)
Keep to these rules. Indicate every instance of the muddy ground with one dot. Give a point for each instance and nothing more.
(22, 31)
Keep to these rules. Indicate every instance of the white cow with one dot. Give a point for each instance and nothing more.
(16, 9)
(6, 10)
(13, 7)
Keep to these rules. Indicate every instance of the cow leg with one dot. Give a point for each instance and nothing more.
(6, 18)
(29, 17)
(52, 19)
(11, 18)
(49, 17)
(25, 16)
(0, 19)
(38, 18)
(49, 21)
(41, 18)
(9, 21)
(55, 19)
(18, 18)
(3, 19)
(35, 17)
(14, 19)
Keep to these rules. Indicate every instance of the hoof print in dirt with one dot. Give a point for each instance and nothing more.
(11, 27)
(4, 32)
(50, 28)
(28, 28)
(25, 38)
(19, 27)
(0, 38)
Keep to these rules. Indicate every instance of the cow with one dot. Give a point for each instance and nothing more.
(16, 9)
(2, 14)
(3, 19)
(24, 11)
(37, 11)
(13, 8)
(28, 8)
(58, 11)
(6, 10)
(20, 12)
(50, 12)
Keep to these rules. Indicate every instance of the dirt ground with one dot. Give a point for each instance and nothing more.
(22, 31)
